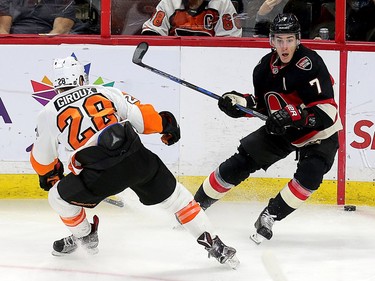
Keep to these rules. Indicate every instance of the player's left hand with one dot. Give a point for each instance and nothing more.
(289, 116)
(171, 129)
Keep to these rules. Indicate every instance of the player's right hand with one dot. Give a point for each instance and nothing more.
(289, 116)
(48, 180)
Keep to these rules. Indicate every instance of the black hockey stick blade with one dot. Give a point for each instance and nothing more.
(139, 52)
(114, 201)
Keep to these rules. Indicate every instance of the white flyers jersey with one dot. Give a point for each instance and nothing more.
(213, 18)
(73, 118)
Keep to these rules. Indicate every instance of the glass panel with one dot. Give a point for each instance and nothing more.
(360, 20)
(260, 13)
(254, 16)
(50, 17)
(324, 23)
(129, 15)
(88, 13)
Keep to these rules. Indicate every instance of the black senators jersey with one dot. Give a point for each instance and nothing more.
(306, 82)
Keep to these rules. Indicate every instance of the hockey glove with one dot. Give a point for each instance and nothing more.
(227, 103)
(289, 116)
(171, 129)
(48, 180)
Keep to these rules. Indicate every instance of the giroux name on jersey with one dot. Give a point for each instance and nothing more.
(72, 97)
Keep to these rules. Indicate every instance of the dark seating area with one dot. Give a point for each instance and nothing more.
(129, 15)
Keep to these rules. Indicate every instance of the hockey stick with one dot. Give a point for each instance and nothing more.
(138, 55)
(114, 200)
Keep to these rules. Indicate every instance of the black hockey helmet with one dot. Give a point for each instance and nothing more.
(285, 23)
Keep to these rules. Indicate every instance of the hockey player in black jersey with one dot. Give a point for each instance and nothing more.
(294, 88)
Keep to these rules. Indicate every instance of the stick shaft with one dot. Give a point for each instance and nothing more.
(138, 55)
(198, 89)
(179, 81)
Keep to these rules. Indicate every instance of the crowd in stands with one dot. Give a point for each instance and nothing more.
(235, 18)
(46, 17)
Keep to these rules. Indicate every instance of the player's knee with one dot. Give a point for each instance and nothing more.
(310, 172)
(230, 173)
(180, 198)
(60, 206)
(238, 167)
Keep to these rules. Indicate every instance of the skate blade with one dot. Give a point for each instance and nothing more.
(59, 254)
(90, 252)
(233, 262)
(257, 238)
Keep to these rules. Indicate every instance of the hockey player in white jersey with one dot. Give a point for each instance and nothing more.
(99, 126)
(194, 18)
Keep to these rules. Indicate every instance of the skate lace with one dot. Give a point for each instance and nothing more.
(69, 241)
(220, 251)
(267, 219)
(216, 250)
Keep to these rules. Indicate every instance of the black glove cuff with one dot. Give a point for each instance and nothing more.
(48, 180)
(171, 129)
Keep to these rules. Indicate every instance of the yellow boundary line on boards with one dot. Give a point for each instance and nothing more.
(25, 186)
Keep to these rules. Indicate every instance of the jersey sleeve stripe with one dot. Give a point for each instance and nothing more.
(40, 168)
(151, 119)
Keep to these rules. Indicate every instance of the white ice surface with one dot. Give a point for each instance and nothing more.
(316, 243)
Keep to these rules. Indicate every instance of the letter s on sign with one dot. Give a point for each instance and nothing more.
(367, 139)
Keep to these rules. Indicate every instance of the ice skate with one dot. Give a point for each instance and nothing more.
(203, 199)
(217, 249)
(263, 227)
(70, 244)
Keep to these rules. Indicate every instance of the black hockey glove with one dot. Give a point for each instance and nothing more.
(171, 129)
(48, 180)
(227, 103)
(289, 116)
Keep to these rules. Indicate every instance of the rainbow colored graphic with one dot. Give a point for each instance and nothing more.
(44, 91)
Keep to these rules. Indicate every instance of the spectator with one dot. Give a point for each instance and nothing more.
(194, 18)
(88, 15)
(265, 15)
(37, 17)
(326, 20)
(306, 11)
(360, 20)
(130, 22)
